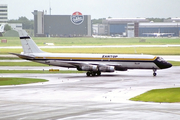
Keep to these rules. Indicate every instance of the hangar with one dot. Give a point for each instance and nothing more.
(123, 26)
(127, 27)
(162, 27)
(135, 27)
(77, 25)
(61, 25)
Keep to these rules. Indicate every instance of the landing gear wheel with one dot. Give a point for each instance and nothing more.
(154, 74)
(154, 70)
(98, 73)
(88, 74)
(93, 73)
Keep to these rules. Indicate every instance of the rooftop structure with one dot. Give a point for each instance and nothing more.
(124, 20)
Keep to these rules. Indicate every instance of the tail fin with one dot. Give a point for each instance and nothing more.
(28, 45)
(2, 28)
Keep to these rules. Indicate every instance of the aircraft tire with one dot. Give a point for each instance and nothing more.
(88, 74)
(98, 73)
(93, 73)
(154, 74)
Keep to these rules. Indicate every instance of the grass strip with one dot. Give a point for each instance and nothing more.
(10, 58)
(169, 95)
(15, 41)
(111, 50)
(175, 63)
(19, 81)
(40, 71)
(21, 64)
(117, 50)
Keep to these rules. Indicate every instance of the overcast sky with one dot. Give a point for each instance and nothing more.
(95, 8)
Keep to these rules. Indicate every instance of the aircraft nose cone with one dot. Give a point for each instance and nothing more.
(168, 65)
(164, 65)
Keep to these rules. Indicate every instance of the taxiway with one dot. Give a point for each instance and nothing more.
(77, 97)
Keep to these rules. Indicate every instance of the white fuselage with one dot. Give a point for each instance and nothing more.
(122, 60)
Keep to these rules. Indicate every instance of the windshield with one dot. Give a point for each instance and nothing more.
(160, 59)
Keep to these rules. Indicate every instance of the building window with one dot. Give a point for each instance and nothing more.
(3, 10)
(3, 14)
(3, 6)
(3, 17)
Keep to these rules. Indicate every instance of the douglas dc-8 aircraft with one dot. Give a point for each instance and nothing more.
(94, 64)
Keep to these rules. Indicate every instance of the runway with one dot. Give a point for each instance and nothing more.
(77, 97)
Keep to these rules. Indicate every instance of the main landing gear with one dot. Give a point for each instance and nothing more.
(92, 73)
(154, 72)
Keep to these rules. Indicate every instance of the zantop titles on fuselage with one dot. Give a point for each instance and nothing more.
(109, 56)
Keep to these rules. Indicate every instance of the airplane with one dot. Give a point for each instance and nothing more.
(158, 34)
(2, 28)
(94, 64)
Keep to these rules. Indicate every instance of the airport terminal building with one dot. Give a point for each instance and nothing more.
(62, 25)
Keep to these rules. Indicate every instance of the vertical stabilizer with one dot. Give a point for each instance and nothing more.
(28, 45)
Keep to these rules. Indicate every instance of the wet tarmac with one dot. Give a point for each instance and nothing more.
(77, 97)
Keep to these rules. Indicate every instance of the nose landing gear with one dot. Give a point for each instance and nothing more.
(154, 72)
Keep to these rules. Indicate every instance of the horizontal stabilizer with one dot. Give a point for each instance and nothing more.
(23, 56)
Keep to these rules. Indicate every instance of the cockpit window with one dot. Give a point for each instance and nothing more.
(160, 59)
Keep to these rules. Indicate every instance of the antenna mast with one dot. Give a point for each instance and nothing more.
(50, 7)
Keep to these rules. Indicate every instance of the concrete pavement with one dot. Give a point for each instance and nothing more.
(77, 97)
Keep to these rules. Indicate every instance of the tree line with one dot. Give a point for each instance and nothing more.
(26, 23)
(99, 21)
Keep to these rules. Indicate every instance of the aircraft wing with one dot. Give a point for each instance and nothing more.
(158, 33)
(167, 33)
(149, 33)
(86, 66)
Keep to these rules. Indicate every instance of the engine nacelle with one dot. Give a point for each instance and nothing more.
(120, 68)
(106, 68)
(88, 68)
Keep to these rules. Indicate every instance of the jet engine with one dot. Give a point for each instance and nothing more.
(88, 68)
(120, 68)
(106, 68)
